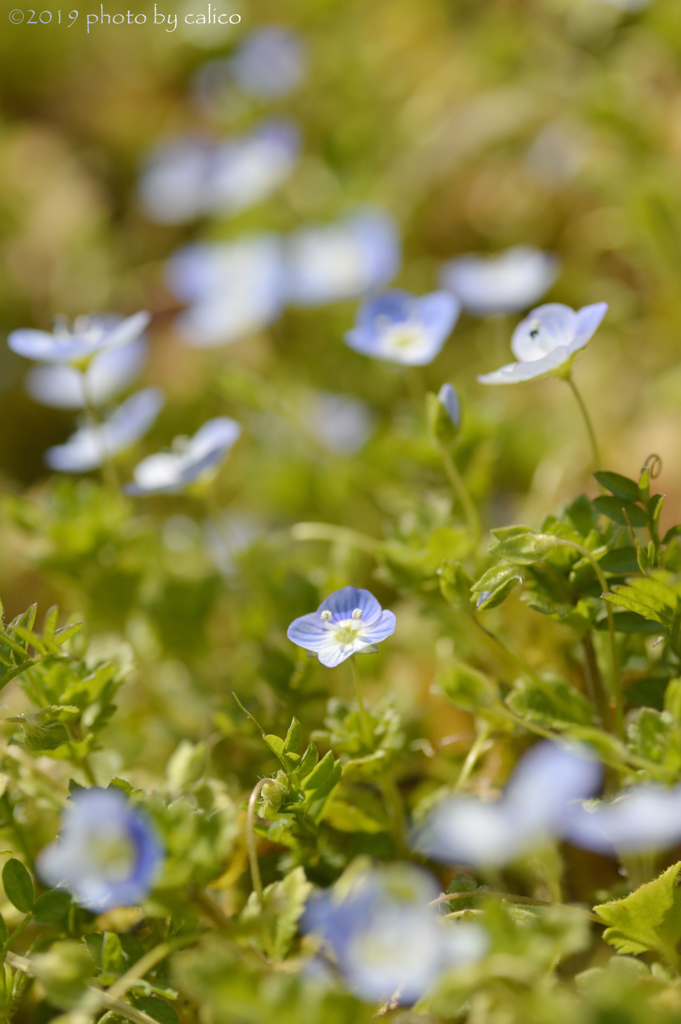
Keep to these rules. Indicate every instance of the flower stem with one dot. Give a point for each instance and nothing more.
(616, 682)
(461, 492)
(251, 839)
(472, 757)
(587, 423)
(367, 732)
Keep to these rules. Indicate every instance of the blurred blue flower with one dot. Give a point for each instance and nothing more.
(345, 622)
(107, 853)
(535, 806)
(404, 328)
(194, 459)
(88, 337)
(640, 820)
(449, 400)
(345, 260)
(506, 283)
(92, 444)
(234, 288)
(66, 387)
(188, 177)
(271, 62)
(546, 342)
(386, 939)
(342, 424)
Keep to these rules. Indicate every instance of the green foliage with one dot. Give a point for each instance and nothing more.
(18, 885)
(648, 919)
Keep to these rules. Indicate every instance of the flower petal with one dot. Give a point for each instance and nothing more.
(516, 373)
(342, 604)
(645, 819)
(308, 631)
(546, 780)
(374, 632)
(543, 329)
(588, 320)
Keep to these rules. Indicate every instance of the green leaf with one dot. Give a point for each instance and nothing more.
(157, 1008)
(112, 954)
(308, 760)
(293, 736)
(276, 745)
(654, 735)
(524, 548)
(648, 919)
(357, 810)
(620, 561)
(550, 702)
(614, 508)
(467, 688)
(455, 584)
(51, 905)
(582, 515)
(319, 775)
(289, 897)
(648, 596)
(629, 622)
(619, 485)
(18, 885)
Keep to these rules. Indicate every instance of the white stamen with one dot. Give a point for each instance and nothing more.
(326, 616)
(357, 614)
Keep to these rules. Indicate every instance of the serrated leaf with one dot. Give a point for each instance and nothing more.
(524, 548)
(614, 508)
(112, 954)
(619, 485)
(551, 702)
(648, 919)
(18, 885)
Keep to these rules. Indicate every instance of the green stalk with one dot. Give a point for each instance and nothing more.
(461, 493)
(472, 757)
(587, 423)
(251, 839)
(367, 733)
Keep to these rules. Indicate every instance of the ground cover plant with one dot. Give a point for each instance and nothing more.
(340, 527)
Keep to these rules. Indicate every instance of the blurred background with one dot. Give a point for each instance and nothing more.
(464, 127)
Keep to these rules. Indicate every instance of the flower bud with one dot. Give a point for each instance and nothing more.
(444, 414)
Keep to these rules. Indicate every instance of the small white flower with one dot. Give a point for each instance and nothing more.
(197, 460)
(534, 807)
(506, 283)
(345, 260)
(66, 387)
(79, 344)
(640, 820)
(403, 328)
(234, 289)
(342, 424)
(546, 341)
(270, 63)
(92, 444)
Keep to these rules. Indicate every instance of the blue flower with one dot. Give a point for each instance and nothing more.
(386, 939)
(506, 283)
(270, 63)
(546, 341)
(403, 328)
(107, 854)
(92, 444)
(449, 400)
(345, 622)
(642, 819)
(234, 289)
(196, 459)
(88, 337)
(187, 177)
(345, 260)
(66, 387)
(535, 806)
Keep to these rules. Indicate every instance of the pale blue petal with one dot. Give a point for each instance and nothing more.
(449, 400)
(644, 819)
(342, 604)
(128, 330)
(247, 170)
(545, 782)
(439, 312)
(173, 183)
(588, 320)
(271, 62)
(544, 329)
(374, 632)
(308, 631)
(504, 283)
(517, 373)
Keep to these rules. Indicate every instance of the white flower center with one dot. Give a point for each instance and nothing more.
(114, 854)
(347, 630)
(403, 336)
